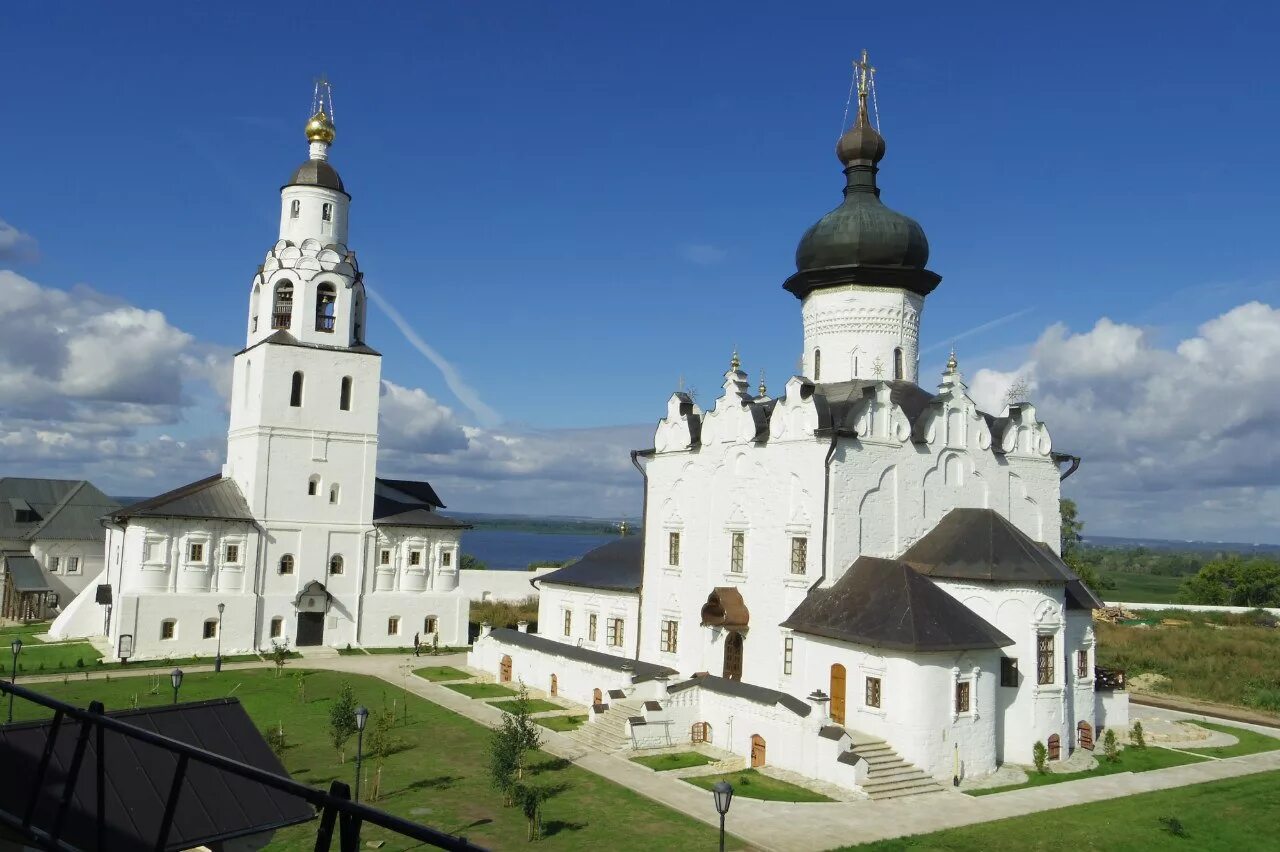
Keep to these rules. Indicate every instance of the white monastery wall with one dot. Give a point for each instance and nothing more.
(64, 581)
(575, 680)
(581, 604)
(488, 584)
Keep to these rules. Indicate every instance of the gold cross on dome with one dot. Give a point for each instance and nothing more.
(866, 72)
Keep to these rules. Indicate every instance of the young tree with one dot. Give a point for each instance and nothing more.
(1039, 754)
(1137, 737)
(511, 740)
(380, 743)
(530, 798)
(279, 655)
(1110, 746)
(342, 719)
(1071, 526)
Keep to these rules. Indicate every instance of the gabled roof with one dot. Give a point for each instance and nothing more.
(51, 508)
(641, 671)
(213, 497)
(410, 503)
(884, 603)
(749, 691)
(281, 337)
(24, 573)
(618, 565)
(981, 544)
(214, 806)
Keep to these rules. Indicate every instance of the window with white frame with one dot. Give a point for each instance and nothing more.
(592, 620)
(54, 564)
(277, 627)
(430, 624)
(673, 549)
(286, 564)
(195, 551)
(799, 554)
(568, 622)
(415, 557)
(336, 565)
(169, 629)
(446, 559)
(231, 553)
(393, 625)
(670, 634)
(294, 207)
(73, 565)
(788, 654)
(384, 557)
(614, 633)
(1044, 659)
(872, 696)
(1082, 664)
(211, 628)
(313, 486)
(737, 551)
(962, 696)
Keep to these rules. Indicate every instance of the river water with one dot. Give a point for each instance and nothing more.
(512, 550)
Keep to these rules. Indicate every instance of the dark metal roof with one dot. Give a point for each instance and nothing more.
(981, 544)
(280, 337)
(641, 671)
(887, 604)
(410, 503)
(421, 518)
(749, 691)
(317, 173)
(214, 805)
(410, 491)
(25, 574)
(618, 565)
(213, 497)
(63, 509)
(832, 732)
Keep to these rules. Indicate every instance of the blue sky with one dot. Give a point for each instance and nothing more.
(576, 204)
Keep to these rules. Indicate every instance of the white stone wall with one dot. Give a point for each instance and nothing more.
(487, 584)
(857, 328)
(65, 582)
(575, 681)
(581, 603)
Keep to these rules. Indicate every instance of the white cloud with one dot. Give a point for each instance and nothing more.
(1176, 442)
(16, 246)
(703, 254)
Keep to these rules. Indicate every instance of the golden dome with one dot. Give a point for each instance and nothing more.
(320, 128)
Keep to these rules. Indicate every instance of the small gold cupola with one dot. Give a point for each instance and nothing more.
(320, 128)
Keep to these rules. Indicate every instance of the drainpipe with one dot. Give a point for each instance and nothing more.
(644, 531)
(836, 435)
(365, 552)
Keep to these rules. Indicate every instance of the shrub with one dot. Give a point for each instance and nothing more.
(1110, 745)
(80, 662)
(274, 737)
(1174, 826)
(1040, 756)
(504, 613)
(1137, 737)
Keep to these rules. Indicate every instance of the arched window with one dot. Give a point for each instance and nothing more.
(253, 307)
(357, 314)
(326, 301)
(282, 310)
(335, 563)
(286, 564)
(897, 364)
(333, 493)
(295, 207)
(295, 394)
(344, 396)
(326, 212)
(248, 378)
(313, 485)
(817, 365)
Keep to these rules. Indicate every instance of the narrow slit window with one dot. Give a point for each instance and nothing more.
(737, 552)
(295, 392)
(295, 207)
(335, 564)
(1044, 660)
(313, 486)
(568, 622)
(817, 365)
(788, 654)
(334, 493)
(799, 554)
(592, 621)
(277, 627)
(897, 364)
(326, 212)
(673, 549)
(962, 697)
(344, 395)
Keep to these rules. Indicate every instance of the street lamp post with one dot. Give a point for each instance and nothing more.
(362, 714)
(723, 792)
(16, 647)
(217, 661)
(175, 677)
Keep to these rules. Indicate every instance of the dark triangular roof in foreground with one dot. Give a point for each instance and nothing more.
(214, 806)
(887, 604)
(212, 497)
(618, 565)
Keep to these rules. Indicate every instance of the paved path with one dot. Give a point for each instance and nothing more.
(787, 826)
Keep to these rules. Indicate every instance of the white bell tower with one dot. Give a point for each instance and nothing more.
(304, 408)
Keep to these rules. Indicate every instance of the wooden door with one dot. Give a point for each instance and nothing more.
(597, 697)
(700, 733)
(757, 751)
(555, 686)
(310, 629)
(733, 656)
(837, 694)
(504, 672)
(1055, 747)
(1084, 735)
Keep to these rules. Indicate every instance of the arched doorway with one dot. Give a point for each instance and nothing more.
(555, 686)
(837, 693)
(701, 733)
(504, 671)
(733, 656)
(1055, 746)
(597, 697)
(1084, 735)
(757, 751)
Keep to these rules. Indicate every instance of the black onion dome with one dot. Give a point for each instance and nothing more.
(862, 241)
(317, 173)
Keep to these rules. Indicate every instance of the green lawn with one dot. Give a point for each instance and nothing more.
(438, 673)
(752, 785)
(536, 705)
(562, 723)
(407, 650)
(38, 658)
(438, 778)
(25, 632)
(1219, 816)
(482, 690)
(1251, 742)
(1140, 588)
(1130, 760)
(675, 760)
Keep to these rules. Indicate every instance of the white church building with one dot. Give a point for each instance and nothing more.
(858, 579)
(297, 541)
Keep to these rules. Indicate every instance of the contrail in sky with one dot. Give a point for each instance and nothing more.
(986, 326)
(464, 392)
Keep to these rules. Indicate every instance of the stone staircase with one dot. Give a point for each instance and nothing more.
(888, 775)
(608, 733)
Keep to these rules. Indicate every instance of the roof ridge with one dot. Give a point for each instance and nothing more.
(170, 495)
(58, 507)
